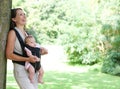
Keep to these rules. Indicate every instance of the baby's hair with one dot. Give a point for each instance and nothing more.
(28, 37)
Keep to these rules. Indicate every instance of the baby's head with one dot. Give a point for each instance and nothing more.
(30, 40)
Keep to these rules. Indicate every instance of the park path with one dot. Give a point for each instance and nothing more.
(55, 60)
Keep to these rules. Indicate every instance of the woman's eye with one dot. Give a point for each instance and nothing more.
(22, 14)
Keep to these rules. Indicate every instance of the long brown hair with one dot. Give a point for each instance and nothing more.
(13, 15)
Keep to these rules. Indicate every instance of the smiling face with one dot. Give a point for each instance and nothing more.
(20, 18)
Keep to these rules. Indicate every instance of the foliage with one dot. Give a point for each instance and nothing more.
(88, 29)
(112, 63)
(81, 41)
(111, 31)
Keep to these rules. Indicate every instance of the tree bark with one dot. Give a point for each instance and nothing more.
(5, 9)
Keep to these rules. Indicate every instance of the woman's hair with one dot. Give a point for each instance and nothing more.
(13, 15)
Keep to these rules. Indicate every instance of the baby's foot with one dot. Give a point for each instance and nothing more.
(40, 81)
(32, 81)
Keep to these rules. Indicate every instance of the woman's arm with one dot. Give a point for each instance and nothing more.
(10, 48)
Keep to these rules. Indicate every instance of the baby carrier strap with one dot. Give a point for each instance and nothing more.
(20, 40)
(22, 46)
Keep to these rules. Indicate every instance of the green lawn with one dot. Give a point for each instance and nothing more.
(92, 79)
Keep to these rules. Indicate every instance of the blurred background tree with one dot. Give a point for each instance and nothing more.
(88, 29)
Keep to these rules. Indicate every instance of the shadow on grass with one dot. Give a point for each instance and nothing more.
(73, 80)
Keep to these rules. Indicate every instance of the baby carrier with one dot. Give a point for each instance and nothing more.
(35, 51)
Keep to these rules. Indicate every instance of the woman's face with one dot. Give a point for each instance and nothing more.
(20, 18)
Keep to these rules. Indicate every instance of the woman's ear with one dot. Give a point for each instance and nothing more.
(13, 19)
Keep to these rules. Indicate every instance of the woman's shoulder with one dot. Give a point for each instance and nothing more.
(11, 32)
(11, 35)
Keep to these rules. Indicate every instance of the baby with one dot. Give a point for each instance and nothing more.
(32, 48)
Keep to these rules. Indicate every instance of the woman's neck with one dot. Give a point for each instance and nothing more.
(20, 28)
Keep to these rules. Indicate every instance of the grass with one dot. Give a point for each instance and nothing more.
(91, 79)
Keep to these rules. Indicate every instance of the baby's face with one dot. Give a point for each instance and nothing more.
(31, 42)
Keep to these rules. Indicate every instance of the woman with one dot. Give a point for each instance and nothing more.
(18, 21)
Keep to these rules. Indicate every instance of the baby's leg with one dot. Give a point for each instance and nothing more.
(27, 65)
(40, 76)
(31, 71)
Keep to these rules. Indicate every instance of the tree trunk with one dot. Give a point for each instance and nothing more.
(5, 8)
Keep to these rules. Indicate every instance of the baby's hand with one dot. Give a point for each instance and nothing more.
(44, 51)
(28, 52)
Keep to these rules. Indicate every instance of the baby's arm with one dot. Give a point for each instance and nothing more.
(43, 50)
(29, 53)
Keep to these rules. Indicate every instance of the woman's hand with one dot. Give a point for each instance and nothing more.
(32, 59)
